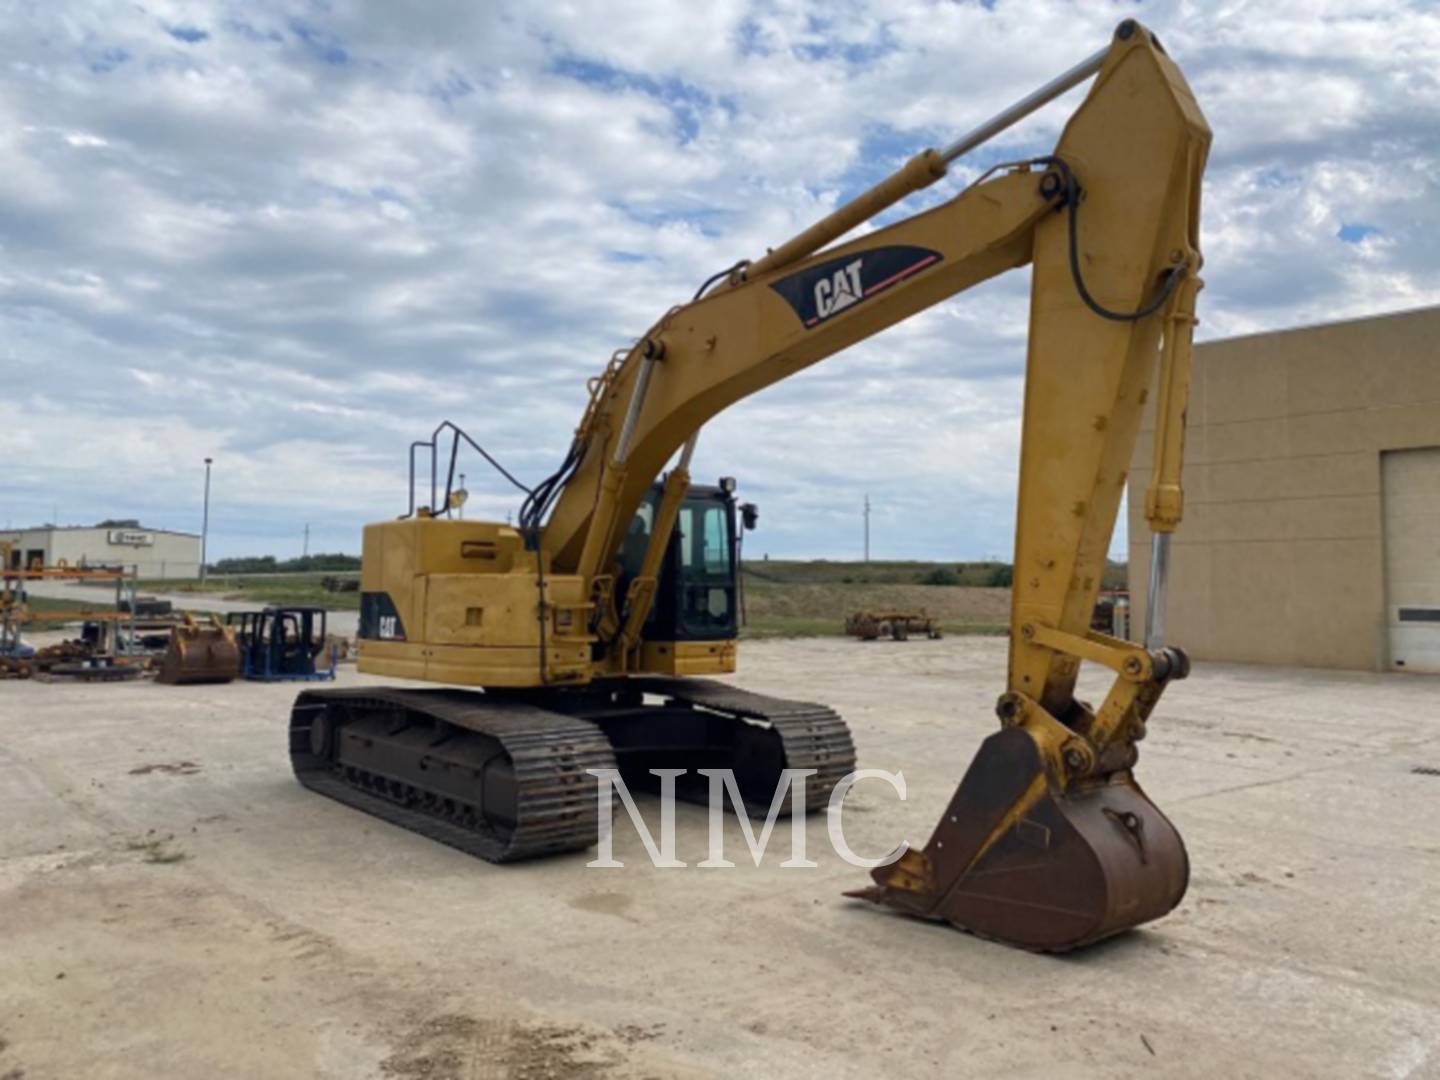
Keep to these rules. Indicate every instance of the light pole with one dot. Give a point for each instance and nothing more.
(205, 520)
(867, 528)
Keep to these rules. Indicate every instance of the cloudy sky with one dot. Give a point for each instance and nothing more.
(295, 236)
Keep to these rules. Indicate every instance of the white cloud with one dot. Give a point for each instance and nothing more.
(295, 236)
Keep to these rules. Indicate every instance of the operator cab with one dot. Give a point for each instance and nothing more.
(281, 643)
(695, 598)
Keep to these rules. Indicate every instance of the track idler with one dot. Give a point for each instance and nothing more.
(1047, 844)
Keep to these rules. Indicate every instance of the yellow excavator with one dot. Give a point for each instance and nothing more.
(584, 631)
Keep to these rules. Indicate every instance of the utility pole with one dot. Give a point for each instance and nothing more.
(305, 551)
(867, 528)
(462, 488)
(205, 520)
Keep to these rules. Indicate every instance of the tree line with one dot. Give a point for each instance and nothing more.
(268, 564)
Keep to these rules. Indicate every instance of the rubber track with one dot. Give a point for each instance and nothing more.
(812, 735)
(549, 752)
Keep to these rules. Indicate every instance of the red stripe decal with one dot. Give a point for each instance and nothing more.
(902, 274)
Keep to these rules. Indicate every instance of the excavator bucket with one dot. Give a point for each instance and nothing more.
(1021, 858)
(200, 653)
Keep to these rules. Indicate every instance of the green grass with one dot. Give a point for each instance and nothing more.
(777, 608)
(783, 597)
(759, 628)
(786, 626)
(832, 572)
(45, 603)
(809, 598)
(977, 574)
(302, 589)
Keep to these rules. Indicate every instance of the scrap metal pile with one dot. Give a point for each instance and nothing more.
(74, 659)
(118, 642)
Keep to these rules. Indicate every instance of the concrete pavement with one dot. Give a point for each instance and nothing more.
(175, 905)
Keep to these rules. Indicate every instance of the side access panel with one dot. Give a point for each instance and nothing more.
(688, 657)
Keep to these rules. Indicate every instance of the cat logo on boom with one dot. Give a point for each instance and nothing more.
(838, 291)
(825, 289)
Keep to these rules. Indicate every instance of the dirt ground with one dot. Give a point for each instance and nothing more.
(172, 904)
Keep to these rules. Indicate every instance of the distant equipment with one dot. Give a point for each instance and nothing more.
(282, 643)
(145, 605)
(199, 652)
(1112, 614)
(870, 625)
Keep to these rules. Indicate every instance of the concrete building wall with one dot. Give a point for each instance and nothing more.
(156, 553)
(1281, 557)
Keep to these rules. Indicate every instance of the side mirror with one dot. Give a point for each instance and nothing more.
(749, 515)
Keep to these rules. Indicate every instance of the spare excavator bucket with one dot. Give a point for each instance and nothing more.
(200, 653)
(1022, 859)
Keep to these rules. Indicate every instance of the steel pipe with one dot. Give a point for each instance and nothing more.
(1155, 600)
(687, 450)
(632, 413)
(1025, 106)
(919, 172)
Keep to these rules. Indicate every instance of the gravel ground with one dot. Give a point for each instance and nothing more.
(175, 905)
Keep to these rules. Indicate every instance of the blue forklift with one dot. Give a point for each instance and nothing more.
(282, 644)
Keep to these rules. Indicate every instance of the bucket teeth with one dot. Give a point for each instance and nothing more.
(1018, 861)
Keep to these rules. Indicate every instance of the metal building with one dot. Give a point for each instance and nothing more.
(1312, 499)
(155, 552)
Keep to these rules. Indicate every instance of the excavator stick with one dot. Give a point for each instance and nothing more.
(199, 653)
(1049, 843)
